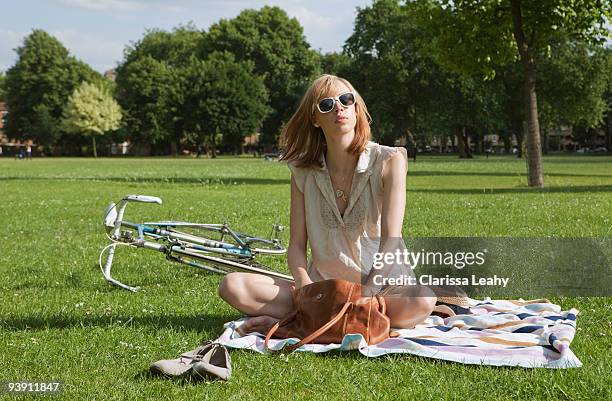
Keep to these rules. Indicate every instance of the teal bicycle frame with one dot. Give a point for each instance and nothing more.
(187, 248)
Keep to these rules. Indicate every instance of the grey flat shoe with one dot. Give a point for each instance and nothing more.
(180, 366)
(214, 364)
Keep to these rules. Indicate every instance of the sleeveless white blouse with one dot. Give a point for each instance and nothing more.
(342, 246)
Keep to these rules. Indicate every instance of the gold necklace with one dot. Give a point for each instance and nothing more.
(340, 193)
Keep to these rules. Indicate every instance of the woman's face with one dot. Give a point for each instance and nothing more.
(342, 119)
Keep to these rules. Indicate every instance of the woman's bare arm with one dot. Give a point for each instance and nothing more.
(394, 196)
(296, 252)
(392, 214)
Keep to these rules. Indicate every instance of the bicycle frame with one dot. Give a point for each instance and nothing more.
(186, 248)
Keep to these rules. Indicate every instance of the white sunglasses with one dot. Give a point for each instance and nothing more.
(326, 105)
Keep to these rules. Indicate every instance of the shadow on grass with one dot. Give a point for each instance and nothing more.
(575, 159)
(548, 159)
(498, 174)
(161, 180)
(199, 322)
(517, 190)
(184, 381)
(211, 180)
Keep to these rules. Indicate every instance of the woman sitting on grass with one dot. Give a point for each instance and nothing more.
(346, 193)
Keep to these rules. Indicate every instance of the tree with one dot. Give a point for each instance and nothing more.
(91, 111)
(333, 63)
(574, 80)
(276, 45)
(39, 85)
(483, 35)
(224, 98)
(141, 90)
(608, 99)
(151, 85)
(384, 67)
(512, 112)
(407, 93)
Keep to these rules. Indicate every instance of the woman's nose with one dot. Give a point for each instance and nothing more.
(338, 106)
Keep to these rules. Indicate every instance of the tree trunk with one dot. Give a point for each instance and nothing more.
(178, 132)
(93, 142)
(463, 144)
(534, 148)
(213, 146)
(460, 144)
(411, 145)
(609, 133)
(468, 143)
(507, 141)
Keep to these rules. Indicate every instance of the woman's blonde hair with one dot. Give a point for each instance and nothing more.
(303, 143)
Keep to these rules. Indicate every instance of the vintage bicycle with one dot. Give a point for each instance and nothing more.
(215, 248)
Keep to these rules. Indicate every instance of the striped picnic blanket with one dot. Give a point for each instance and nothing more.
(521, 333)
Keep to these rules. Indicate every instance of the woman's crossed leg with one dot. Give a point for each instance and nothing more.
(267, 300)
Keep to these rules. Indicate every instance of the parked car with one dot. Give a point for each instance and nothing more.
(600, 149)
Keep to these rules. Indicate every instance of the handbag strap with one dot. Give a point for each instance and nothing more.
(313, 336)
(283, 322)
(382, 303)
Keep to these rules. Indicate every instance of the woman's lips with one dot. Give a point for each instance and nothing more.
(341, 119)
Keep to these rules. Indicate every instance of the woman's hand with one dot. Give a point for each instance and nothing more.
(301, 281)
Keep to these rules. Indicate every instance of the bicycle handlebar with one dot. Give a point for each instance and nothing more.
(113, 217)
(143, 198)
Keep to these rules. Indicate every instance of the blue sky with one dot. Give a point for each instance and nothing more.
(96, 31)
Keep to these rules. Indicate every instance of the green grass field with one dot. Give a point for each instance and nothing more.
(59, 320)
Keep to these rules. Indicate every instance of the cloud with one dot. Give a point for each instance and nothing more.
(106, 5)
(83, 25)
(100, 53)
(95, 50)
(312, 20)
(326, 27)
(127, 5)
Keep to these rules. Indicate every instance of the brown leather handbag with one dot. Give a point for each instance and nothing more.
(327, 310)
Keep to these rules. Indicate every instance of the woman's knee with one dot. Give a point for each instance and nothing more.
(411, 309)
(424, 301)
(425, 304)
(232, 286)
